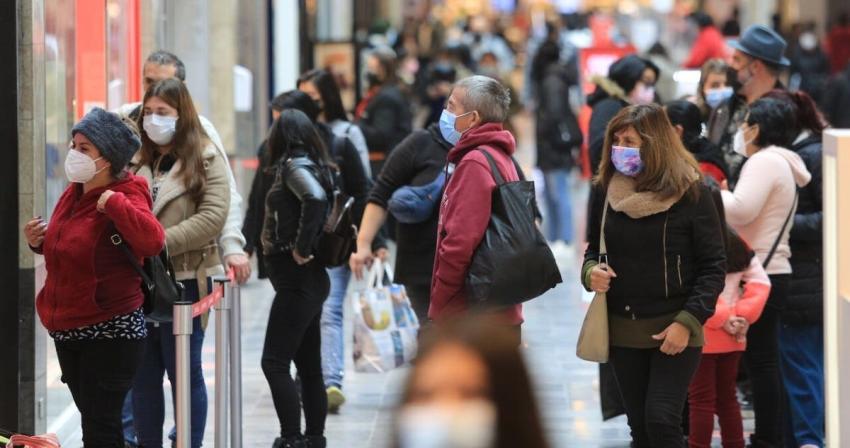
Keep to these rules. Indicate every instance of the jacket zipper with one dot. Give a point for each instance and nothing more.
(664, 254)
(679, 268)
(276, 226)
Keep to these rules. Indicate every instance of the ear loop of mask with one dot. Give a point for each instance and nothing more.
(98, 171)
(463, 115)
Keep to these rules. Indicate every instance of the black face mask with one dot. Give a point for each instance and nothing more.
(732, 80)
(319, 105)
(373, 79)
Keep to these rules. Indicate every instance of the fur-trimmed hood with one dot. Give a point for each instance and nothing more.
(606, 88)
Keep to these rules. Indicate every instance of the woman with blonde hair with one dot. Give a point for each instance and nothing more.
(664, 268)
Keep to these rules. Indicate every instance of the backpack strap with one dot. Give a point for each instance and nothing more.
(337, 144)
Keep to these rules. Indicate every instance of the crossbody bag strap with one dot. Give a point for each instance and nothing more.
(781, 232)
(603, 249)
(118, 241)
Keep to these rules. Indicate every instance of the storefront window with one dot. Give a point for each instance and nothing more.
(60, 98)
(60, 106)
(119, 45)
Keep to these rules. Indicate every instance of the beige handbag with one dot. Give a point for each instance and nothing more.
(593, 339)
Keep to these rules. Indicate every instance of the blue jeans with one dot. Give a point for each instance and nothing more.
(559, 207)
(148, 398)
(801, 361)
(127, 420)
(333, 341)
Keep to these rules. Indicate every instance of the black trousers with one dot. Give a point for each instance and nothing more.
(654, 388)
(762, 360)
(293, 335)
(99, 374)
(420, 299)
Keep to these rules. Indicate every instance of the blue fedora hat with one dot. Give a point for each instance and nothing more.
(763, 43)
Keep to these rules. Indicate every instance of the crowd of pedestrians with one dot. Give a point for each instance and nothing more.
(704, 231)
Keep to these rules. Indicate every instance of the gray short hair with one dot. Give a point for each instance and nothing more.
(486, 95)
(162, 57)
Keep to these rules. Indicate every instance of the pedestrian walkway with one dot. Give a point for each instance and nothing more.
(566, 386)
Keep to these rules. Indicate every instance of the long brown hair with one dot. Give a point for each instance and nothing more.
(189, 137)
(669, 169)
(518, 422)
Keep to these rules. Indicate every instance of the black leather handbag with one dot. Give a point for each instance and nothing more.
(513, 262)
(159, 286)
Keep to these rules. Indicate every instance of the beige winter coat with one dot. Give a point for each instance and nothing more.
(193, 227)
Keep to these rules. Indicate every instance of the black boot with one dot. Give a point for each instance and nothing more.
(289, 442)
(755, 442)
(315, 442)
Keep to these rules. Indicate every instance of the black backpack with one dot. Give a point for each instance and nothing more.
(338, 239)
(513, 262)
(159, 286)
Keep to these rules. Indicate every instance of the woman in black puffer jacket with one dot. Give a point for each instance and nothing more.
(296, 207)
(664, 268)
(801, 329)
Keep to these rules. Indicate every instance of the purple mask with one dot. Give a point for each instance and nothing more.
(626, 160)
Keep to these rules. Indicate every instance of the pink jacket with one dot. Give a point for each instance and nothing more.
(733, 302)
(762, 200)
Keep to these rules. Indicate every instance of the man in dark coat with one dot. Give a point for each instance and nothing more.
(758, 60)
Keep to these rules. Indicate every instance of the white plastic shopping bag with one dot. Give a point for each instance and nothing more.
(385, 326)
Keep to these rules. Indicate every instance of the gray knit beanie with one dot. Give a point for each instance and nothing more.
(115, 141)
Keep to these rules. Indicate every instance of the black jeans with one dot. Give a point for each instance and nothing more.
(99, 374)
(762, 360)
(294, 334)
(654, 388)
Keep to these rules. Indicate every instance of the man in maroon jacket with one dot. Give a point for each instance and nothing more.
(472, 122)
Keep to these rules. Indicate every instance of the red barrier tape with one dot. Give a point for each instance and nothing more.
(204, 305)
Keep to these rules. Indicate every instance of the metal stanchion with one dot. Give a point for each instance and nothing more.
(182, 336)
(222, 317)
(235, 294)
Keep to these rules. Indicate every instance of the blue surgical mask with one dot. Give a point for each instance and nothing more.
(716, 97)
(626, 160)
(447, 126)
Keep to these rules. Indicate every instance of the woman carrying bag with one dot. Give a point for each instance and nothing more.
(297, 206)
(91, 303)
(662, 271)
(191, 197)
(762, 209)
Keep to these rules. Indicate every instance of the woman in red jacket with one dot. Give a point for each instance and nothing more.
(92, 298)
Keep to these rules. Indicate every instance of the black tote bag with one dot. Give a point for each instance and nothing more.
(513, 262)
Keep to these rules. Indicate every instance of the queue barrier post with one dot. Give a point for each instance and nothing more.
(222, 338)
(233, 292)
(182, 335)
